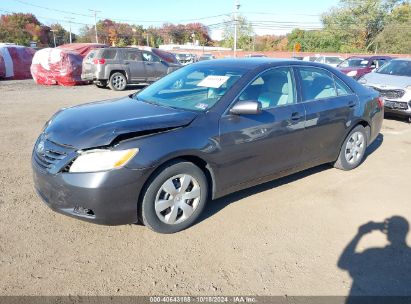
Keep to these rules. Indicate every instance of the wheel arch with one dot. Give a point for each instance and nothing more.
(196, 160)
(366, 126)
(118, 71)
(360, 122)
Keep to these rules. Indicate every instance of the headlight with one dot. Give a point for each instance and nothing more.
(102, 160)
(362, 80)
(408, 88)
(352, 73)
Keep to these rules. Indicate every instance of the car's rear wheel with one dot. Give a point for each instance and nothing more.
(117, 82)
(174, 198)
(353, 149)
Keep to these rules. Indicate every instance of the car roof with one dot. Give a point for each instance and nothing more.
(255, 62)
(370, 57)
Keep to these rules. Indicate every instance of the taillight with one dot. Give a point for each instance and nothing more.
(99, 61)
(380, 102)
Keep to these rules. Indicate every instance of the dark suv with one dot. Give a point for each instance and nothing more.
(117, 67)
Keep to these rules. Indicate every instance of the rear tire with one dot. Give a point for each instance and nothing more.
(174, 198)
(117, 82)
(353, 149)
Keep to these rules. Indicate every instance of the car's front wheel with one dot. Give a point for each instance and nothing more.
(174, 198)
(117, 82)
(353, 149)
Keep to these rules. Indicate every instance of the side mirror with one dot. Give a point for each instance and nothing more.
(245, 107)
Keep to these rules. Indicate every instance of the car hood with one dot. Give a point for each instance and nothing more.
(100, 123)
(386, 81)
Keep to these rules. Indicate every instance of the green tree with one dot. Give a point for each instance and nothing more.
(22, 28)
(396, 36)
(357, 23)
(245, 34)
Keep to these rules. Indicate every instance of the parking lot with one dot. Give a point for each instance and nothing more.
(281, 238)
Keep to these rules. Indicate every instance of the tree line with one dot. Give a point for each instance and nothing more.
(352, 26)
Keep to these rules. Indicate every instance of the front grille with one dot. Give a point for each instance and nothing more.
(49, 154)
(396, 105)
(391, 94)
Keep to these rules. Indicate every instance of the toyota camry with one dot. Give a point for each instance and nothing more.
(200, 133)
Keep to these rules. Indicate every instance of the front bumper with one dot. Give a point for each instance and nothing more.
(110, 197)
(391, 107)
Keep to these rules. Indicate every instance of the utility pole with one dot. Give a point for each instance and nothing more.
(236, 8)
(69, 21)
(147, 40)
(95, 22)
(54, 37)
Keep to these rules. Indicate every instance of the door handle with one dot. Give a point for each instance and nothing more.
(296, 116)
(126, 63)
(352, 104)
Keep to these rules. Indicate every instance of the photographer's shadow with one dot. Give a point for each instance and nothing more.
(379, 271)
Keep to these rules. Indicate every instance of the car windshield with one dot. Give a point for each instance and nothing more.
(196, 88)
(396, 67)
(354, 63)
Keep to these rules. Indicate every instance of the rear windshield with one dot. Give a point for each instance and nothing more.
(91, 55)
(166, 56)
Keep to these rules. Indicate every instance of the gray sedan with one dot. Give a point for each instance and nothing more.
(200, 133)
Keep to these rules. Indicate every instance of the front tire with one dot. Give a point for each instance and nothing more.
(353, 149)
(117, 82)
(174, 198)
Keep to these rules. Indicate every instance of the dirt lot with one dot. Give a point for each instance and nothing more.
(284, 237)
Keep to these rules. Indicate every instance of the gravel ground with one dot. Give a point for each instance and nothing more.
(282, 238)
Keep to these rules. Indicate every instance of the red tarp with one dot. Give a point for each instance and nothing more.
(15, 61)
(61, 65)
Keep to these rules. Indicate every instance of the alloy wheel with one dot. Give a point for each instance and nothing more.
(119, 82)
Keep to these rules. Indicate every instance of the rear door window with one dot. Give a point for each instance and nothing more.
(109, 54)
(316, 83)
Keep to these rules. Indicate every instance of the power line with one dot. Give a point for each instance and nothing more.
(52, 9)
(46, 18)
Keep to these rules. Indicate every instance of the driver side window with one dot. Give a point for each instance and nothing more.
(272, 89)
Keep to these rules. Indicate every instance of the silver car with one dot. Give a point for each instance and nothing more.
(393, 81)
(117, 67)
(333, 61)
(186, 58)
